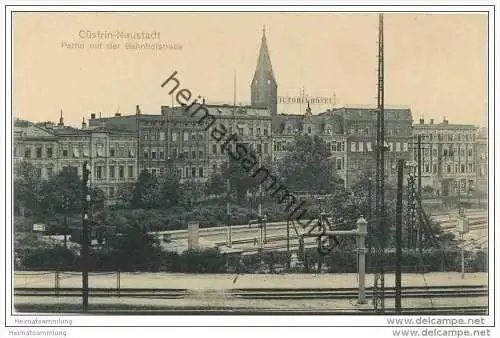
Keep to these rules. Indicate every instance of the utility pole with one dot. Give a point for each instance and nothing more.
(399, 228)
(419, 178)
(85, 235)
(261, 217)
(379, 287)
(66, 206)
(288, 242)
(228, 205)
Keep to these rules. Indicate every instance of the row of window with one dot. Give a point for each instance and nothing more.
(448, 152)
(199, 135)
(367, 146)
(187, 172)
(100, 152)
(462, 168)
(114, 172)
(449, 137)
(250, 147)
(49, 152)
(371, 131)
(75, 152)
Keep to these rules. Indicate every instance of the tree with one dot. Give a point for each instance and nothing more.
(191, 193)
(146, 192)
(97, 199)
(306, 167)
(27, 187)
(124, 193)
(239, 179)
(143, 251)
(216, 185)
(169, 188)
(22, 123)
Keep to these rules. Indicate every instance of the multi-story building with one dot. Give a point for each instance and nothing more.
(39, 147)
(52, 148)
(177, 138)
(360, 128)
(482, 161)
(449, 164)
(325, 125)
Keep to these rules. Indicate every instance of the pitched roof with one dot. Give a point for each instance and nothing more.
(264, 66)
(33, 132)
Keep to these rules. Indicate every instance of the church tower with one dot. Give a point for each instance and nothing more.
(264, 87)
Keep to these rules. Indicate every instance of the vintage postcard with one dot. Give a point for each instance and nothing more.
(253, 161)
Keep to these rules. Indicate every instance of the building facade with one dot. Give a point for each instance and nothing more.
(37, 146)
(449, 157)
(326, 126)
(359, 125)
(180, 138)
(481, 187)
(53, 148)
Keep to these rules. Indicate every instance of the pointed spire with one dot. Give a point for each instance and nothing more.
(308, 110)
(61, 119)
(264, 61)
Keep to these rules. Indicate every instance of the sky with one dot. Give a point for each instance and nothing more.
(434, 63)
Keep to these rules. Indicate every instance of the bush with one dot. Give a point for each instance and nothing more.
(203, 261)
(52, 258)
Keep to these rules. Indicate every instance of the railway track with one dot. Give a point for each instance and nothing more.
(126, 309)
(267, 293)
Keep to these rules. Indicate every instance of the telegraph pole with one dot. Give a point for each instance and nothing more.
(379, 287)
(399, 228)
(419, 177)
(288, 242)
(369, 198)
(261, 217)
(85, 235)
(228, 205)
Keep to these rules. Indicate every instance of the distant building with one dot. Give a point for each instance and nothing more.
(449, 156)
(326, 126)
(179, 137)
(482, 161)
(360, 127)
(38, 146)
(52, 148)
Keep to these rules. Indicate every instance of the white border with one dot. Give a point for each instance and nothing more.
(354, 321)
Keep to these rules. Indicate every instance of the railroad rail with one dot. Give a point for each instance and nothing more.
(262, 293)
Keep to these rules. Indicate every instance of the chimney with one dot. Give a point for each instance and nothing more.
(118, 114)
(432, 121)
(84, 125)
(445, 121)
(137, 110)
(421, 121)
(92, 116)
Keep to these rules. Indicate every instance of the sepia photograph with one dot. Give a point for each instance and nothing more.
(246, 165)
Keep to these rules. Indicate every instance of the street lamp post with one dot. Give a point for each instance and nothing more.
(369, 198)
